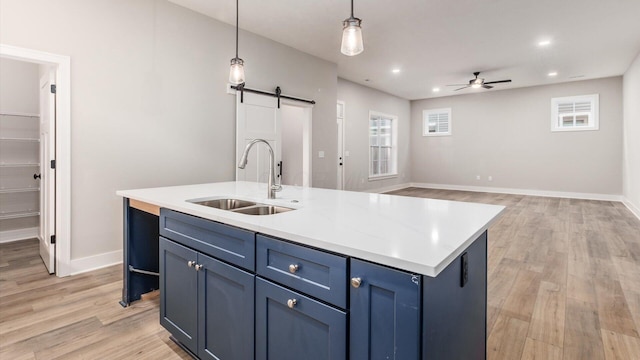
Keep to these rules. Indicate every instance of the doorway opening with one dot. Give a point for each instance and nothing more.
(53, 126)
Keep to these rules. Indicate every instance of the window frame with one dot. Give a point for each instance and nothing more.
(425, 121)
(393, 159)
(593, 122)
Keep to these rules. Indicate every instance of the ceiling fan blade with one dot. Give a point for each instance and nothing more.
(464, 87)
(498, 82)
(487, 86)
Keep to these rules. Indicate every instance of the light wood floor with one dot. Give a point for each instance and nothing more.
(564, 283)
(564, 277)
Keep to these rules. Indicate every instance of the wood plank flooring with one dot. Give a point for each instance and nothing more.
(564, 277)
(564, 283)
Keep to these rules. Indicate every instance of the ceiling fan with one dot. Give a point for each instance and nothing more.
(479, 83)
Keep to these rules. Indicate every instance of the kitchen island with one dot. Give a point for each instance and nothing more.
(343, 275)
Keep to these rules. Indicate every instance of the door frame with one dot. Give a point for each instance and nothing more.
(62, 66)
(307, 129)
(340, 121)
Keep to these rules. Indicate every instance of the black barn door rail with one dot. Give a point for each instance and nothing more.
(276, 94)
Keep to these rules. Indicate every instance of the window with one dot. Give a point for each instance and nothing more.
(383, 152)
(574, 113)
(436, 122)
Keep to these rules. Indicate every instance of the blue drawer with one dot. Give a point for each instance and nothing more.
(316, 273)
(228, 243)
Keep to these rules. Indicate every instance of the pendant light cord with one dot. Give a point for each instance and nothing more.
(237, 21)
(351, 8)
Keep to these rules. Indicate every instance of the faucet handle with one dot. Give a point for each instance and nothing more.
(276, 187)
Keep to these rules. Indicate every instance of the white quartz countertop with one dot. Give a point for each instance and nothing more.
(414, 234)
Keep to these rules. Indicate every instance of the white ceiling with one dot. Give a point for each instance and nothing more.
(440, 42)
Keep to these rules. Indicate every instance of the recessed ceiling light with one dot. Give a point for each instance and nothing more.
(435, 89)
(395, 71)
(544, 43)
(553, 73)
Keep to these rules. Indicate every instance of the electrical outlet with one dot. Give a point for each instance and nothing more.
(490, 178)
(320, 154)
(477, 177)
(346, 153)
(464, 274)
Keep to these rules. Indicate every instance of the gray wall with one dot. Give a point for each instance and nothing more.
(292, 131)
(506, 135)
(359, 100)
(631, 152)
(19, 87)
(149, 106)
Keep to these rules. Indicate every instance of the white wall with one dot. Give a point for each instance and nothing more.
(506, 134)
(359, 100)
(19, 87)
(631, 143)
(149, 106)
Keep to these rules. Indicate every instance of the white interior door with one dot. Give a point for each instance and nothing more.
(47, 174)
(340, 124)
(257, 117)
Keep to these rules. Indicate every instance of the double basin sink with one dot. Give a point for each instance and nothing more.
(242, 206)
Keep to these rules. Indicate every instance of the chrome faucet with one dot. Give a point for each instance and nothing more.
(272, 187)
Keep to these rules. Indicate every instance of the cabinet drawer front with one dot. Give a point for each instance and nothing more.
(308, 330)
(318, 274)
(222, 241)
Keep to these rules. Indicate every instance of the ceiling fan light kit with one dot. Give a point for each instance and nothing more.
(352, 43)
(236, 72)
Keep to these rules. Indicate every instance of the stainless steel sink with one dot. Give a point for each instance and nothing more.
(263, 210)
(225, 204)
(241, 206)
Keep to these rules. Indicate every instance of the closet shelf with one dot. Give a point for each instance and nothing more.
(19, 165)
(18, 190)
(19, 139)
(18, 214)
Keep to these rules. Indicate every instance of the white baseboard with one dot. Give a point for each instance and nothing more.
(388, 188)
(545, 193)
(18, 234)
(634, 209)
(95, 262)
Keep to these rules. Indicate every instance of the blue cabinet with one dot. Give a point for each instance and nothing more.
(292, 326)
(385, 313)
(206, 304)
(179, 293)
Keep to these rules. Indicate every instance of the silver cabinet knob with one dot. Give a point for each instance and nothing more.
(291, 303)
(199, 267)
(356, 282)
(190, 263)
(293, 268)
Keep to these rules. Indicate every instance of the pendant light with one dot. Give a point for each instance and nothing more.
(236, 73)
(352, 35)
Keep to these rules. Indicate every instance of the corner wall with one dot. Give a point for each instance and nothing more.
(359, 100)
(631, 143)
(506, 135)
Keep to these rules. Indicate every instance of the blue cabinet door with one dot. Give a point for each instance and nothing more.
(291, 326)
(226, 311)
(179, 292)
(385, 313)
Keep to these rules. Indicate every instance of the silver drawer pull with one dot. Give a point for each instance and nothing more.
(291, 303)
(293, 268)
(190, 263)
(199, 267)
(356, 282)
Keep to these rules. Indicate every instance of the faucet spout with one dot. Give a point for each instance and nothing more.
(272, 187)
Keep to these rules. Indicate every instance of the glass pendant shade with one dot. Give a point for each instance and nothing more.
(236, 73)
(352, 37)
